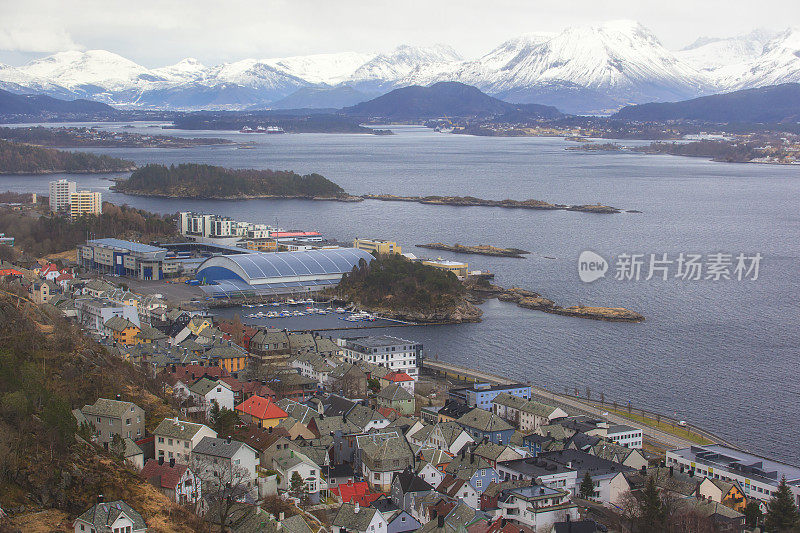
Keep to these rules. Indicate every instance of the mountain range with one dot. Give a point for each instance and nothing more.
(592, 69)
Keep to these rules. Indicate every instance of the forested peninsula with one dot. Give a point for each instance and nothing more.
(191, 180)
(18, 158)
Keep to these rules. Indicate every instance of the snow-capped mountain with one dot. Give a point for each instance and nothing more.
(329, 69)
(582, 69)
(384, 71)
(709, 54)
(778, 63)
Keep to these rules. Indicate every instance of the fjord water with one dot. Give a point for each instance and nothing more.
(725, 355)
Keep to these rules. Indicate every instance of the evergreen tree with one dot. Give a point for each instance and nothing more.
(753, 514)
(651, 507)
(587, 486)
(782, 514)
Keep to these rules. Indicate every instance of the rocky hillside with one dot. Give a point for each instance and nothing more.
(48, 473)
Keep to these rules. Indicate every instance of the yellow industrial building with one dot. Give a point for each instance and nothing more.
(457, 268)
(380, 247)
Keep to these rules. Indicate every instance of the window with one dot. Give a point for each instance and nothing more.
(161, 440)
(99, 420)
(169, 441)
(376, 476)
(127, 421)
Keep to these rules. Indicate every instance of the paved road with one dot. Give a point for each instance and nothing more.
(666, 439)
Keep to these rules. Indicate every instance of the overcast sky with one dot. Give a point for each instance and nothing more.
(160, 32)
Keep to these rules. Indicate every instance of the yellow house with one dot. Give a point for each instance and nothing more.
(198, 324)
(123, 331)
(728, 493)
(228, 355)
(457, 268)
(379, 247)
(261, 412)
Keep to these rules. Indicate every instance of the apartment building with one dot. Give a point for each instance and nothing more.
(85, 203)
(390, 352)
(60, 194)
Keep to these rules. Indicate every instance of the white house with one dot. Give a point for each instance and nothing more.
(449, 437)
(226, 460)
(536, 506)
(286, 462)
(176, 439)
(356, 519)
(207, 391)
(430, 473)
(115, 516)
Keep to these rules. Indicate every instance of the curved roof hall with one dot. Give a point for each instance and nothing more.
(269, 267)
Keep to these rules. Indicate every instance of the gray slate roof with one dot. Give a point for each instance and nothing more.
(177, 429)
(349, 519)
(104, 514)
(110, 408)
(483, 420)
(216, 447)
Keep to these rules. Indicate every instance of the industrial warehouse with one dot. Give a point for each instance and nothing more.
(276, 273)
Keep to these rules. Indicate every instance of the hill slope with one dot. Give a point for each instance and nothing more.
(450, 99)
(777, 103)
(35, 105)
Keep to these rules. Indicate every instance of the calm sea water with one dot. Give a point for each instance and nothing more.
(722, 354)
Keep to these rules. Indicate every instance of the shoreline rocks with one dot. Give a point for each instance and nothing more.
(470, 201)
(480, 249)
(482, 291)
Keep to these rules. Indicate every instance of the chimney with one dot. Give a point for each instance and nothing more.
(440, 520)
(228, 440)
(356, 508)
(119, 397)
(671, 470)
(99, 498)
(161, 460)
(281, 516)
(172, 462)
(644, 470)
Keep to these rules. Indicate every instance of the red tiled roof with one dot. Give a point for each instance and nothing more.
(162, 475)
(388, 412)
(65, 276)
(356, 491)
(261, 408)
(397, 376)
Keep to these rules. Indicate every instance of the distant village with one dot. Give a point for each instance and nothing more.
(354, 432)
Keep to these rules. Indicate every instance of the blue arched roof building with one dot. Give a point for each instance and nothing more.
(268, 273)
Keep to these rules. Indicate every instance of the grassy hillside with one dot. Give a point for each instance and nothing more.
(48, 368)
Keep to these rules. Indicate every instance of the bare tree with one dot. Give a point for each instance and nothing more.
(224, 485)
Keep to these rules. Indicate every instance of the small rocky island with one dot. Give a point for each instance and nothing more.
(481, 290)
(480, 249)
(471, 201)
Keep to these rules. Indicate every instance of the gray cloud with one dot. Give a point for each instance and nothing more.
(157, 33)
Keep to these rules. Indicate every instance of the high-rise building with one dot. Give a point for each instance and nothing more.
(60, 194)
(85, 203)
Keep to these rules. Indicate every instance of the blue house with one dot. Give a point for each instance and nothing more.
(474, 469)
(481, 424)
(534, 443)
(482, 394)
